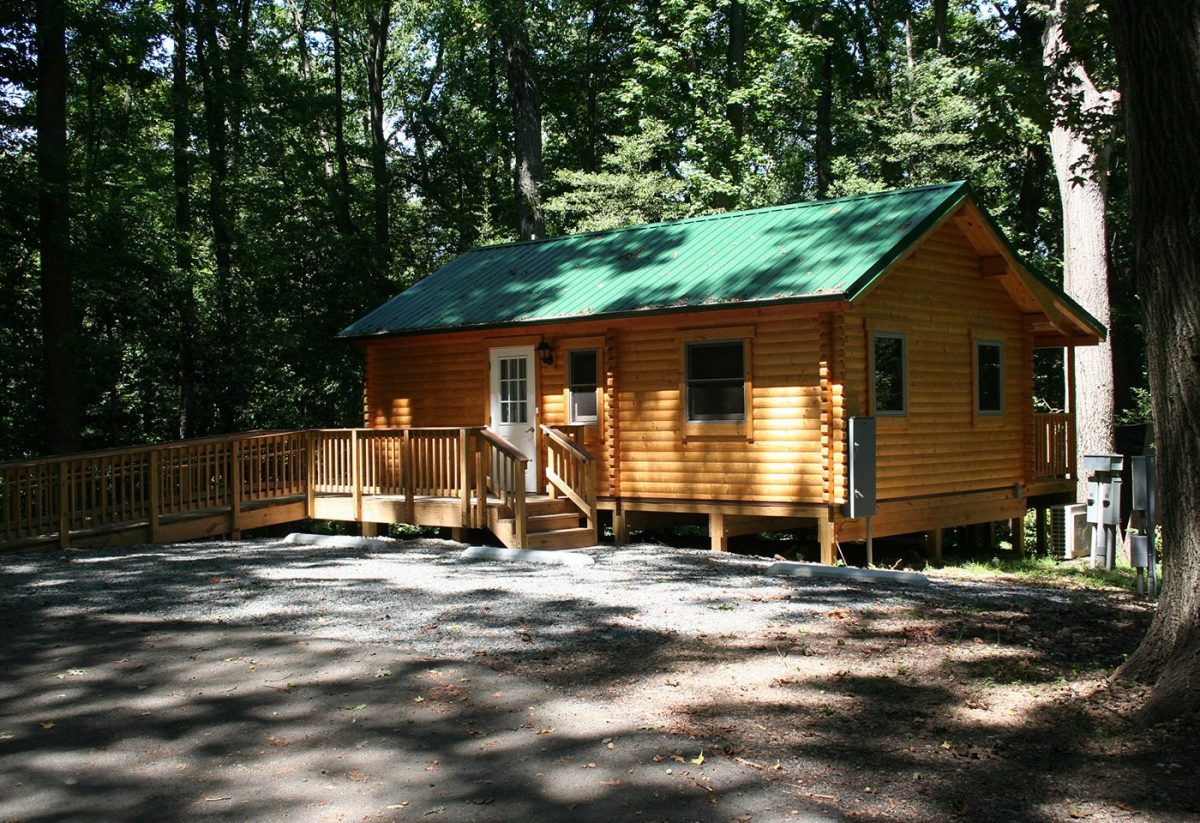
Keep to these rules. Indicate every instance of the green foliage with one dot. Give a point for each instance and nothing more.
(651, 110)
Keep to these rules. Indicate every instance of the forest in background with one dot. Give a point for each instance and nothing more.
(243, 178)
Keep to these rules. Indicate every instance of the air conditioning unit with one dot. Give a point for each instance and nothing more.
(1070, 533)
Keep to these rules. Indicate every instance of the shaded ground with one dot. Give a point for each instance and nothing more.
(261, 681)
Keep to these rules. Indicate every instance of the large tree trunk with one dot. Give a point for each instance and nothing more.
(526, 104)
(823, 139)
(378, 24)
(735, 61)
(1082, 169)
(342, 207)
(1157, 44)
(54, 230)
(181, 135)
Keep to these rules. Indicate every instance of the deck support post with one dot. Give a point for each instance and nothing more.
(458, 534)
(310, 489)
(936, 540)
(369, 529)
(356, 475)
(620, 526)
(64, 520)
(464, 478)
(155, 491)
(410, 505)
(1018, 536)
(1040, 546)
(989, 530)
(235, 502)
(717, 533)
(825, 537)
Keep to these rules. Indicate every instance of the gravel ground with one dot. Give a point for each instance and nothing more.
(261, 680)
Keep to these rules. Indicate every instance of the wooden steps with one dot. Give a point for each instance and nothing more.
(550, 524)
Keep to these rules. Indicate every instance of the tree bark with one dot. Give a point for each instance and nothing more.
(939, 27)
(1081, 165)
(378, 24)
(181, 136)
(823, 140)
(54, 231)
(526, 104)
(214, 92)
(735, 60)
(1157, 44)
(342, 206)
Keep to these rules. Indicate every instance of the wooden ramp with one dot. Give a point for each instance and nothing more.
(456, 477)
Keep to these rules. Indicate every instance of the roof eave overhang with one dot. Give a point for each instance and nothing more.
(837, 301)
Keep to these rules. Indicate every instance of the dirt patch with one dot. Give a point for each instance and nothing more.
(256, 681)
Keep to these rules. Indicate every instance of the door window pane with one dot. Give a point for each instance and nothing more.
(514, 390)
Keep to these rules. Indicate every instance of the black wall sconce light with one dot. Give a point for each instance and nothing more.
(545, 353)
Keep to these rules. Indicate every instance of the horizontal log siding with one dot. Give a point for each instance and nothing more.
(939, 299)
(426, 381)
(784, 461)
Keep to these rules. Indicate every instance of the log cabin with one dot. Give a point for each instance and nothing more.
(710, 366)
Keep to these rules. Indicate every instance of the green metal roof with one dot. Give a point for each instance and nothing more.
(822, 250)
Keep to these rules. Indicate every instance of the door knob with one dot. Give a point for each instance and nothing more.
(529, 429)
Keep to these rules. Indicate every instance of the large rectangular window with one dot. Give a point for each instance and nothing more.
(582, 381)
(989, 377)
(891, 372)
(716, 381)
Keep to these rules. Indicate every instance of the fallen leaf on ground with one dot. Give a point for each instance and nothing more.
(699, 758)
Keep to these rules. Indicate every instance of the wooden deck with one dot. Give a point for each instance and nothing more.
(457, 477)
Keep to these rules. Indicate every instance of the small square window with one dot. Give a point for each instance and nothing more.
(989, 377)
(889, 357)
(716, 381)
(582, 381)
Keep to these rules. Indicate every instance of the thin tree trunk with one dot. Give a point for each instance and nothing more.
(378, 25)
(181, 136)
(212, 77)
(525, 102)
(344, 192)
(1082, 169)
(823, 142)
(939, 27)
(735, 60)
(54, 230)
(1157, 44)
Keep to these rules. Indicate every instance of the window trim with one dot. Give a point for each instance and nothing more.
(569, 385)
(716, 430)
(904, 373)
(976, 342)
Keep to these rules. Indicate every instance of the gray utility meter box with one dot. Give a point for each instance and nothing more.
(1141, 468)
(861, 459)
(1107, 463)
(1103, 503)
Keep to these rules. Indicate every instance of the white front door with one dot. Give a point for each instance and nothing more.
(514, 410)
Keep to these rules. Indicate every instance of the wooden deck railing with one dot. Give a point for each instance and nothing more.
(504, 467)
(570, 471)
(223, 479)
(1053, 438)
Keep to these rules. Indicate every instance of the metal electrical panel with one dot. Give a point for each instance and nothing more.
(1142, 470)
(861, 460)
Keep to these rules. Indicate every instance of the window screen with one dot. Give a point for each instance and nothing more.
(989, 376)
(582, 379)
(716, 381)
(889, 356)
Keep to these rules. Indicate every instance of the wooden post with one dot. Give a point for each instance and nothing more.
(355, 475)
(369, 529)
(620, 526)
(235, 502)
(1018, 535)
(410, 505)
(825, 536)
(1040, 513)
(310, 487)
(155, 492)
(64, 520)
(716, 532)
(458, 534)
(936, 538)
(464, 478)
(990, 535)
(480, 481)
(522, 523)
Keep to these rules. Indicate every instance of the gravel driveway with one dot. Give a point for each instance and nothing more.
(271, 681)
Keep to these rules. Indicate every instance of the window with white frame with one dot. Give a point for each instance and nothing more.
(582, 382)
